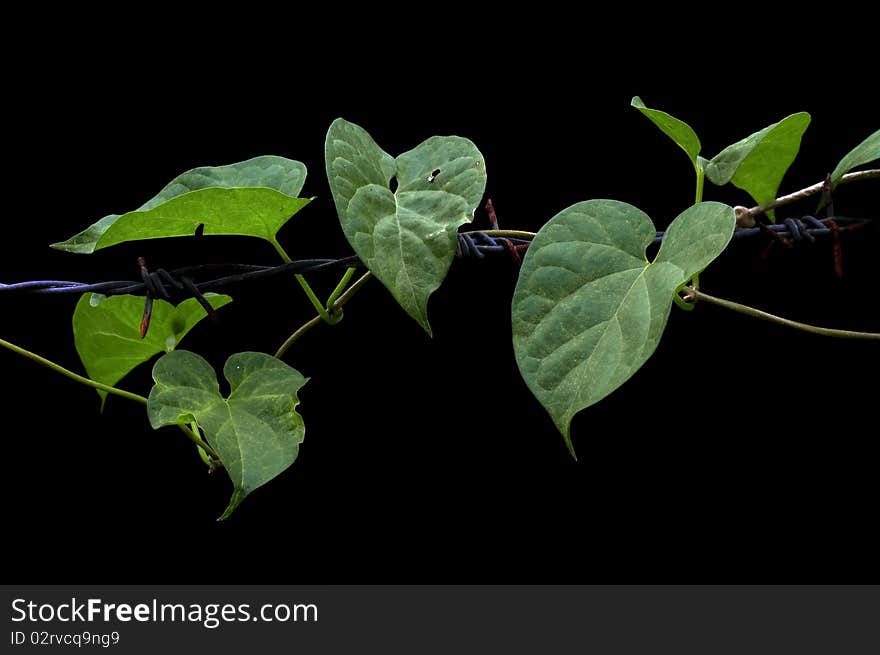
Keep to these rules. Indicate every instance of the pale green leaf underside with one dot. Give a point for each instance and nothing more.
(758, 163)
(106, 331)
(679, 131)
(407, 238)
(250, 198)
(256, 431)
(867, 151)
(589, 309)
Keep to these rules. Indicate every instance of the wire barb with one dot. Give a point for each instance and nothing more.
(150, 286)
(493, 218)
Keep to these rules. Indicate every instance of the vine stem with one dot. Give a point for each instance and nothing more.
(317, 320)
(322, 311)
(340, 287)
(73, 376)
(301, 330)
(800, 195)
(694, 294)
(313, 298)
(207, 454)
(353, 289)
(744, 216)
(100, 385)
(701, 178)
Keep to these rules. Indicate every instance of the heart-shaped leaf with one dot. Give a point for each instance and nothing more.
(406, 237)
(867, 151)
(106, 331)
(589, 309)
(249, 198)
(255, 431)
(679, 131)
(758, 163)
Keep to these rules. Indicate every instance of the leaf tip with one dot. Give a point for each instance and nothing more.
(68, 246)
(565, 428)
(234, 502)
(420, 315)
(636, 102)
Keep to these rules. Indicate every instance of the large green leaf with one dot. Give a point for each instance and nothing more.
(250, 198)
(255, 431)
(867, 151)
(106, 331)
(758, 163)
(679, 131)
(406, 237)
(589, 309)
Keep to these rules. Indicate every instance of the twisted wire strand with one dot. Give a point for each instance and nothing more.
(476, 244)
(240, 273)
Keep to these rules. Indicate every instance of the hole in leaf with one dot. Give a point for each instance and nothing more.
(200, 229)
(433, 175)
(393, 185)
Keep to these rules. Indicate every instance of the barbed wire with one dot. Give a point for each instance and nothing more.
(190, 280)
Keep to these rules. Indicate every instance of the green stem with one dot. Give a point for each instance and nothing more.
(73, 376)
(701, 178)
(683, 303)
(336, 304)
(353, 289)
(340, 287)
(205, 451)
(194, 437)
(322, 311)
(301, 330)
(694, 294)
(281, 251)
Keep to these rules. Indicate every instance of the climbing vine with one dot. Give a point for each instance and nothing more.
(588, 310)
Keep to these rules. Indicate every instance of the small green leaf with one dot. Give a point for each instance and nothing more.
(867, 151)
(677, 130)
(758, 163)
(406, 237)
(106, 331)
(250, 198)
(589, 309)
(255, 431)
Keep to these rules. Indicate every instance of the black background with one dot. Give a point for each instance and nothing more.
(741, 452)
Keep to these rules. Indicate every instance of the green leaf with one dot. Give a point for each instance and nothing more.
(407, 237)
(255, 431)
(106, 331)
(677, 130)
(867, 151)
(250, 198)
(758, 163)
(589, 309)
